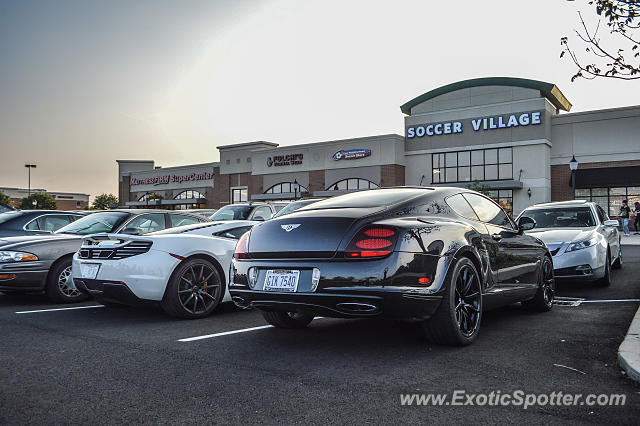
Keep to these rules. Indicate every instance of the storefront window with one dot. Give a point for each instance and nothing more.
(189, 194)
(504, 197)
(239, 195)
(279, 188)
(610, 199)
(466, 166)
(352, 183)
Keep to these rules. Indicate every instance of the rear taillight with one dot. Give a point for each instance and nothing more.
(242, 248)
(372, 241)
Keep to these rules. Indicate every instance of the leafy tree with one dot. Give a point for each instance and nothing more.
(479, 187)
(4, 199)
(619, 55)
(104, 201)
(43, 201)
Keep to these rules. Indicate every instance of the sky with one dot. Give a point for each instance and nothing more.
(85, 83)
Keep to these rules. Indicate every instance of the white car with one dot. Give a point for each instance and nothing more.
(584, 243)
(184, 269)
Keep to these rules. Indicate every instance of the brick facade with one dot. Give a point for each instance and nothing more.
(391, 175)
(316, 181)
(561, 176)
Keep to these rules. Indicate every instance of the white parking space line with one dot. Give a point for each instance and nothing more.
(225, 333)
(60, 309)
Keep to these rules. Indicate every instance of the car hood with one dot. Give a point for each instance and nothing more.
(561, 235)
(15, 242)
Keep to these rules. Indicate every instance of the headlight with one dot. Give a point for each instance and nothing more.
(582, 244)
(16, 256)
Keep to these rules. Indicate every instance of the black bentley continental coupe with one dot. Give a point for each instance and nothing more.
(438, 255)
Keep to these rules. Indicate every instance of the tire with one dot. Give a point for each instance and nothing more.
(287, 319)
(606, 280)
(617, 264)
(457, 320)
(543, 300)
(57, 288)
(194, 290)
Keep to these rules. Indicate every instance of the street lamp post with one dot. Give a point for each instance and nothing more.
(30, 166)
(295, 189)
(573, 165)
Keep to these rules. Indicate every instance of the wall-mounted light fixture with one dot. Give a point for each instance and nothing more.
(529, 192)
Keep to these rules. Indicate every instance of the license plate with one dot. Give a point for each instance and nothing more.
(89, 270)
(281, 280)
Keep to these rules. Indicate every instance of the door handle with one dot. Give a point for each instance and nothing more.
(496, 237)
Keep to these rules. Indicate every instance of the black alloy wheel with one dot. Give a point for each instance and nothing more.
(543, 300)
(194, 290)
(457, 320)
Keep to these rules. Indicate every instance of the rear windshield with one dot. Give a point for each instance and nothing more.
(95, 222)
(233, 213)
(577, 217)
(8, 216)
(370, 198)
(293, 207)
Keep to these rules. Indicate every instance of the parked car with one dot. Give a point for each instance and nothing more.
(5, 208)
(248, 211)
(43, 262)
(35, 222)
(440, 255)
(202, 212)
(183, 269)
(584, 243)
(295, 205)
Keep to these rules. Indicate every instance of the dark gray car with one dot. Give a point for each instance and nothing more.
(35, 222)
(43, 262)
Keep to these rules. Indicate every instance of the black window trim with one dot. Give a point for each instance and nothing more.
(442, 169)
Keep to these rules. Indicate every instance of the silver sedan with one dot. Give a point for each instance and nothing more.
(584, 243)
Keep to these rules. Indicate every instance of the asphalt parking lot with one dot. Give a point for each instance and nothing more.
(104, 365)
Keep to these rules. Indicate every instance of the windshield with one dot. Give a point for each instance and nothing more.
(293, 207)
(576, 217)
(94, 223)
(233, 213)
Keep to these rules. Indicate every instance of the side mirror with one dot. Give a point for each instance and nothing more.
(130, 231)
(259, 218)
(526, 223)
(611, 222)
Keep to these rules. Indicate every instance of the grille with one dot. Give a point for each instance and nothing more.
(132, 249)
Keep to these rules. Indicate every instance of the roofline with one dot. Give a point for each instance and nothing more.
(245, 144)
(548, 90)
(135, 161)
(355, 140)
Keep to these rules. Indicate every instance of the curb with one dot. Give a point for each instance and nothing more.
(629, 350)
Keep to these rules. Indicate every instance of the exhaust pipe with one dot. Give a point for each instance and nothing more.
(241, 303)
(357, 308)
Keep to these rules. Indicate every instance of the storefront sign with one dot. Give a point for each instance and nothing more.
(285, 160)
(477, 124)
(165, 179)
(351, 154)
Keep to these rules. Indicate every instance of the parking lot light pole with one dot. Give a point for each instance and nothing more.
(573, 165)
(295, 189)
(30, 166)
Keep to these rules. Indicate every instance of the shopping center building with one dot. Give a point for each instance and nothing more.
(512, 137)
